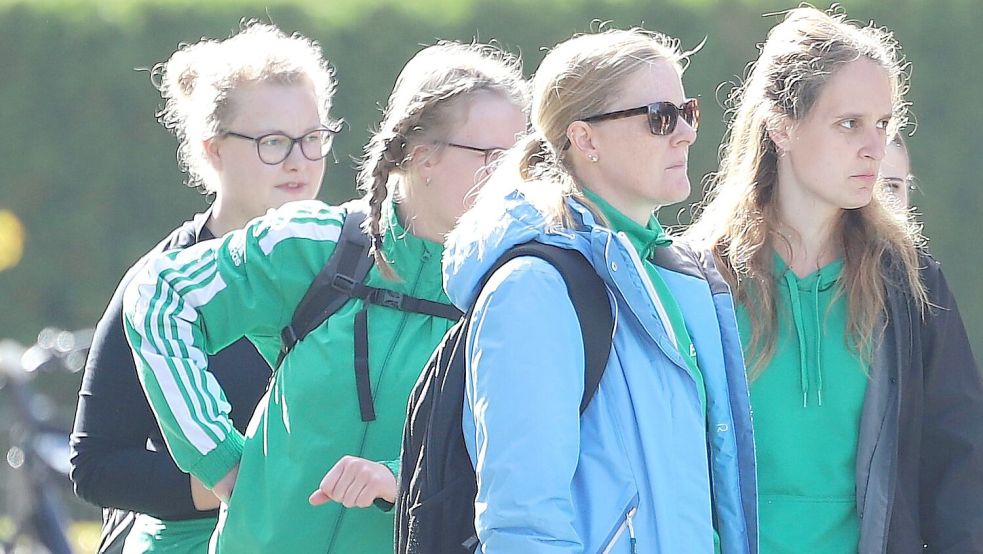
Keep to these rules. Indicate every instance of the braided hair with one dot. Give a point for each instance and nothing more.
(430, 94)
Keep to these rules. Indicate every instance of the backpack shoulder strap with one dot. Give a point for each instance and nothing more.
(590, 300)
(347, 266)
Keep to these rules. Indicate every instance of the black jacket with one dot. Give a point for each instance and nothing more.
(118, 457)
(920, 452)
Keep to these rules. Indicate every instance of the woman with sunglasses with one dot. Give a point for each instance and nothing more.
(612, 128)
(868, 404)
(313, 422)
(251, 114)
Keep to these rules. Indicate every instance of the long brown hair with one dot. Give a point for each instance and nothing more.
(739, 221)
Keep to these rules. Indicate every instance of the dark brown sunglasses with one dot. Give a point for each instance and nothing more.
(662, 116)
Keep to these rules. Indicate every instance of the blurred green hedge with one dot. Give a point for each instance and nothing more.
(93, 177)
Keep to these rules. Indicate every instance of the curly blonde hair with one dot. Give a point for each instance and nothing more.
(198, 80)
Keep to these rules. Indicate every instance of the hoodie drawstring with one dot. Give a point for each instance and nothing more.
(797, 318)
(819, 337)
(793, 295)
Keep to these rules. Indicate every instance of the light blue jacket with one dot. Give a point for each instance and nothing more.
(635, 466)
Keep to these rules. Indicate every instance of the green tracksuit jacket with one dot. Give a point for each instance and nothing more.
(196, 301)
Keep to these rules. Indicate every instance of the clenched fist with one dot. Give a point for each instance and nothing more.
(355, 482)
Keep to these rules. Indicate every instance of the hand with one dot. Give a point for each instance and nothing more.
(223, 489)
(203, 498)
(355, 482)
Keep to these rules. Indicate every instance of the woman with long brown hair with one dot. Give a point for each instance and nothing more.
(868, 405)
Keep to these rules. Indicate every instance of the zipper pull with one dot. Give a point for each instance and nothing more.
(631, 530)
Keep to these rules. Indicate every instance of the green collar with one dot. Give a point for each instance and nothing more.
(822, 279)
(645, 239)
(410, 247)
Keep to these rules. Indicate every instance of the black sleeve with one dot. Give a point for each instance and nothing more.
(111, 464)
(951, 480)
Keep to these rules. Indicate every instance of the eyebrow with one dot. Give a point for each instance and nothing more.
(856, 115)
(282, 132)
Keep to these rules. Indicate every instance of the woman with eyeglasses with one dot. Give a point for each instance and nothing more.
(251, 114)
(612, 128)
(868, 404)
(324, 442)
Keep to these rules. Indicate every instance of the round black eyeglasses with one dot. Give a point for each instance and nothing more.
(273, 148)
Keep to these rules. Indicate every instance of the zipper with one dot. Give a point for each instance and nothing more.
(627, 525)
(631, 530)
(616, 315)
(399, 332)
(382, 369)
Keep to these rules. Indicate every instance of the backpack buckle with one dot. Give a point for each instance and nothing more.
(388, 298)
(343, 283)
(289, 337)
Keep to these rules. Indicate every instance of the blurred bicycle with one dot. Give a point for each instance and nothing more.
(37, 461)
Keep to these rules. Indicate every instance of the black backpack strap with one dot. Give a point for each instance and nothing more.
(396, 301)
(347, 267)
(405, 302)
(589, 296)
(590, 301)
(363, 381)
(342, 278)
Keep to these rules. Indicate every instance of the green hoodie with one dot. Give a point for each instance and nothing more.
(250, 282)
(807, 405)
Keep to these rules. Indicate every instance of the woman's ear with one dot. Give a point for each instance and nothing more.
(212, 153)
(781, 132)
(422, 155)
(582, 140)
(421, 160)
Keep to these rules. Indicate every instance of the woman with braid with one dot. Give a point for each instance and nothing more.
(453, 110)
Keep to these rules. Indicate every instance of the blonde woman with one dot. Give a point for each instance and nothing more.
(868, 403)
(453, 109)
(612, 127)
(251, 114)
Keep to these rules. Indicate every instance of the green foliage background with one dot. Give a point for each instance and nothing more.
(93, 177)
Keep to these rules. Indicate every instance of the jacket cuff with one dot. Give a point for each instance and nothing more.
(216, 464)
(393, 466)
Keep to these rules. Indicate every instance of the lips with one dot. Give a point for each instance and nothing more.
(678, 165)
(292, 186)
(865, 177)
